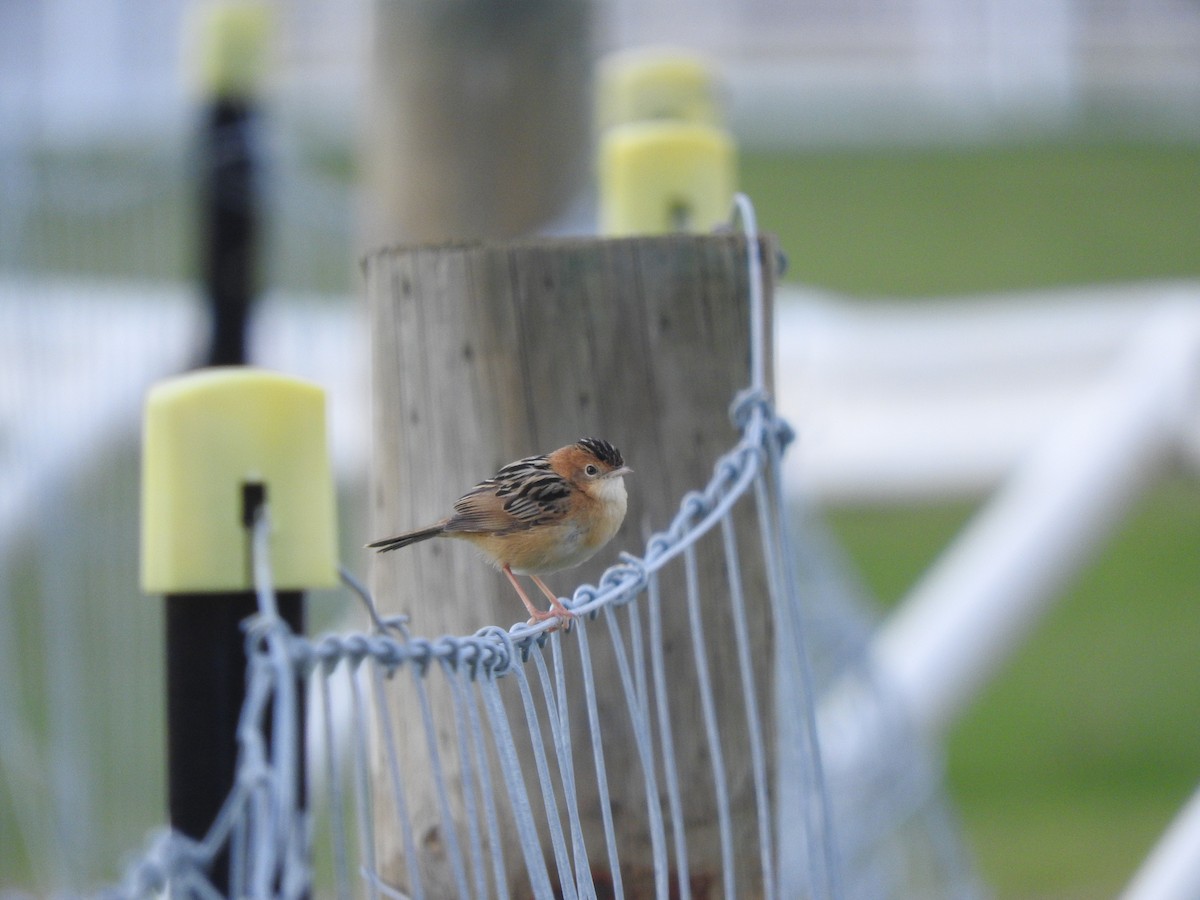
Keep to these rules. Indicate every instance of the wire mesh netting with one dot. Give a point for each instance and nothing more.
(519, 701)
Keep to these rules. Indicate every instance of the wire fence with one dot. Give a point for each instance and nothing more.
(268, 831)
(513, 772)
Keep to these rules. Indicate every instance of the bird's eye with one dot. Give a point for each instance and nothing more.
(592, 470)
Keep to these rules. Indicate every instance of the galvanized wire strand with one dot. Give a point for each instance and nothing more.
(557, 713)
(790, 648)
(666, 741)
(776, 538)
(459, 697)
(594, 729)
(760, 427)
(558, 842)
(449, 829)
(281, 847)
(642, 742)
(708, 711)
(744, 214)
(394, 779)
(637, 654)
(491, 816)
(362, 771)
(333, 769)
(754, 732)
(510, 766)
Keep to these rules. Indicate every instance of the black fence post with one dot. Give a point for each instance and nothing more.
(232, 55)
(217, 445)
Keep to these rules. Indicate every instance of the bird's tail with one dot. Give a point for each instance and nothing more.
(403, 540)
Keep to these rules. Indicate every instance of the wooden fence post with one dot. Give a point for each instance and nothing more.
(483, 353)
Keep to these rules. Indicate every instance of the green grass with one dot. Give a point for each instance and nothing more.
(919, 223)
(1095, 723)
(1074, 760)
(1076, 757)
(131, 214)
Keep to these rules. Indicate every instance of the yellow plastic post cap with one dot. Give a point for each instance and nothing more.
(656, 83)
(207, 435)
(230, 40)
(658, 177)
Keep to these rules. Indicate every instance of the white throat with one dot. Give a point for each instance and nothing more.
(611, 492)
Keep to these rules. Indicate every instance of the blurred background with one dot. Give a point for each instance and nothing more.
(916, 155)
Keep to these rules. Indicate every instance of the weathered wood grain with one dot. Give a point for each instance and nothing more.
(483, 353)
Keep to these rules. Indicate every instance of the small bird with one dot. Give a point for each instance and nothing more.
(538, 515)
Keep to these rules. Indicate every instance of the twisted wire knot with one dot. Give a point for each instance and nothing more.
(625, 579)
(448, 650)
(754, 405)
(420, 655)
(498, 650)
(634, 566)
(746, 404)
(327, 652)
(658, 545)
(387, 651)
(694, 506)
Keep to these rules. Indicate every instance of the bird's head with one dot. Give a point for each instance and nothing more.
(594, 466)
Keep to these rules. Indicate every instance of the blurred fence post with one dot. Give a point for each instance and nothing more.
(218, 446)
(233, 40)
(478, 120)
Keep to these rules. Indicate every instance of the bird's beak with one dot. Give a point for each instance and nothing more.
(617, 473)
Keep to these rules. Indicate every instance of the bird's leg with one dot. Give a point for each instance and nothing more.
(556, 606)
(536, 615)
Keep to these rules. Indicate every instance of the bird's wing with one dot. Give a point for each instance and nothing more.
(522, 495)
